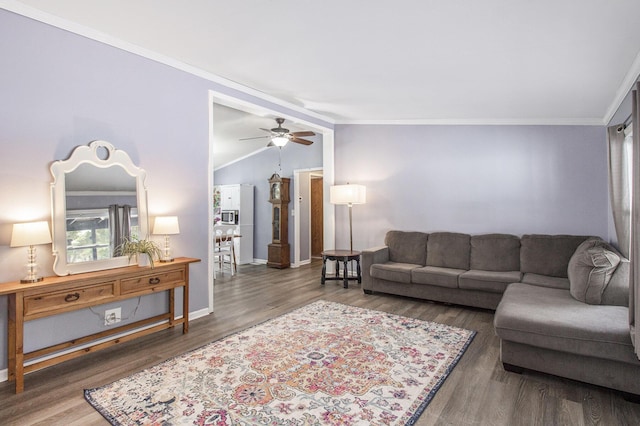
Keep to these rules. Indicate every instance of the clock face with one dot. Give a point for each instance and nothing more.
(275, 191)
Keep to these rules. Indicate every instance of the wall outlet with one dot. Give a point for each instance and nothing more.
(112, 316)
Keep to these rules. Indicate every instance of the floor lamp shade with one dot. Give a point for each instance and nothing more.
(348, 194)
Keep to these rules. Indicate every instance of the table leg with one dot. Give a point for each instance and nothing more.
(346, 273)
(324, 269)
(15, 342)
(233, 251)
(185, 302)
(359, 271)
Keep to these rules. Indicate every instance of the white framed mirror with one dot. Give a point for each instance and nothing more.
(98, 198)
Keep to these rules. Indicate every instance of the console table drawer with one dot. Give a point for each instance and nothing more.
(69, 300)
(149, 282)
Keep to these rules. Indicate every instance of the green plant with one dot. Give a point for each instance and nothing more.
(133, 247)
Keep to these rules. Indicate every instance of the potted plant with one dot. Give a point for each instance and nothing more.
(142, 249)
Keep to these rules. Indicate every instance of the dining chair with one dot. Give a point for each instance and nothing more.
(224, 249)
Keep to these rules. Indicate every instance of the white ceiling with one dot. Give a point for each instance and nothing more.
(504, 61)
(231, 125)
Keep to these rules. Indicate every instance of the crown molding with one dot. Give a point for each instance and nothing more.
(481, 122)
(64, 24)
(627, 84)
(58, 22)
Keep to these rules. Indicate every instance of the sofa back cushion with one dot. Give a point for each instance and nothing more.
(407, 247)
(448, 250)
(495, 252)
(548, 254)
(590, 270)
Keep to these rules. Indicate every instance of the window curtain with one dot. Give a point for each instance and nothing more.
(115, 236)
(620, 185)
(119, 227)
(634, 279)
(125, 230)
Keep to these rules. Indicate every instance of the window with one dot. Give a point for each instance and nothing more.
(88, 235)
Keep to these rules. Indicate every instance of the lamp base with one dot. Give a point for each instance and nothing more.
(166, 260)
(31, 280)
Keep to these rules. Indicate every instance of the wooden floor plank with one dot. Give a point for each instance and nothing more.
(478, 391)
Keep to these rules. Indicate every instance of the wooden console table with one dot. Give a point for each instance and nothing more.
(56, 295)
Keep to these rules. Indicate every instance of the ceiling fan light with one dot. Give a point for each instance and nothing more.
(280, 141)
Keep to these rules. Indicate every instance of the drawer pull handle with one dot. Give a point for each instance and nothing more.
(72, 297)
(154, 280)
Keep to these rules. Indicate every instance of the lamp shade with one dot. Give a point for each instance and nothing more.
(348, 194)
(280, 141)
(30, 234)
(166, 225)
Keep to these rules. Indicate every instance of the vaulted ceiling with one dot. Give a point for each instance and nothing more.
(362, 61)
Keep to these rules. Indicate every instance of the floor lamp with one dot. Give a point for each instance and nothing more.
(348, 194)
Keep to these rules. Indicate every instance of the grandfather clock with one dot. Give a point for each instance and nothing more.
(278, 251)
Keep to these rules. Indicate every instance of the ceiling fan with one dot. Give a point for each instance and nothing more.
(280, 136)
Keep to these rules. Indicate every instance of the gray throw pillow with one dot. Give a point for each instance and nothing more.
(590, 269)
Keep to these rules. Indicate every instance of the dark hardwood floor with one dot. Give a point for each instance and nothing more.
(477, 392)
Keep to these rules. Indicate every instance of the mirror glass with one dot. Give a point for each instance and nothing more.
(98, 200)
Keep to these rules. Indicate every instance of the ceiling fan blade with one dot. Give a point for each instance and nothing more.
(255, 137)
(300, 141)
(303, 133)
(266, 130)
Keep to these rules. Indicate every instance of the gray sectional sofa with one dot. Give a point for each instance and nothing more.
(561, 301)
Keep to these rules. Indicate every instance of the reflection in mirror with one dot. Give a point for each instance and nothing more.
(101, 207)
(98, 200)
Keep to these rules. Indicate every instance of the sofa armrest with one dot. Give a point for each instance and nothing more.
(371, 256)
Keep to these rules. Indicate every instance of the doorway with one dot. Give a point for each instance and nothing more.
(309, 215)
(327, 169)
(316, 216)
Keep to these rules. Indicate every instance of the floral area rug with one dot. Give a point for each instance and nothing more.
(323, 364)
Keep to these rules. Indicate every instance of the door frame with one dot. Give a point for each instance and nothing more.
(329, 221)
(296, 217)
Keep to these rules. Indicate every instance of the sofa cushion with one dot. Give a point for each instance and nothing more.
(434, 275)
(617, 291)
(393, 271)
(493, 281)
(545, 281)
(407, 247)
(550, 318)
(590, 270)
(495, 252)
(548, 254)
(448, 250)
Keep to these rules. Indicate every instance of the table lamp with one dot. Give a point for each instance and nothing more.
(166, 225)
(30, 234)
(349, 195)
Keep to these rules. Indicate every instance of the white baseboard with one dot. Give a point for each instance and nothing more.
(198, 314)
(4, 374)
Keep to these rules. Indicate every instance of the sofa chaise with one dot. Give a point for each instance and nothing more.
(561, 301)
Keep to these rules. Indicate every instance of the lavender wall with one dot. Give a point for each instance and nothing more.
(473, 179)
(256, 170)
(61, 90)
